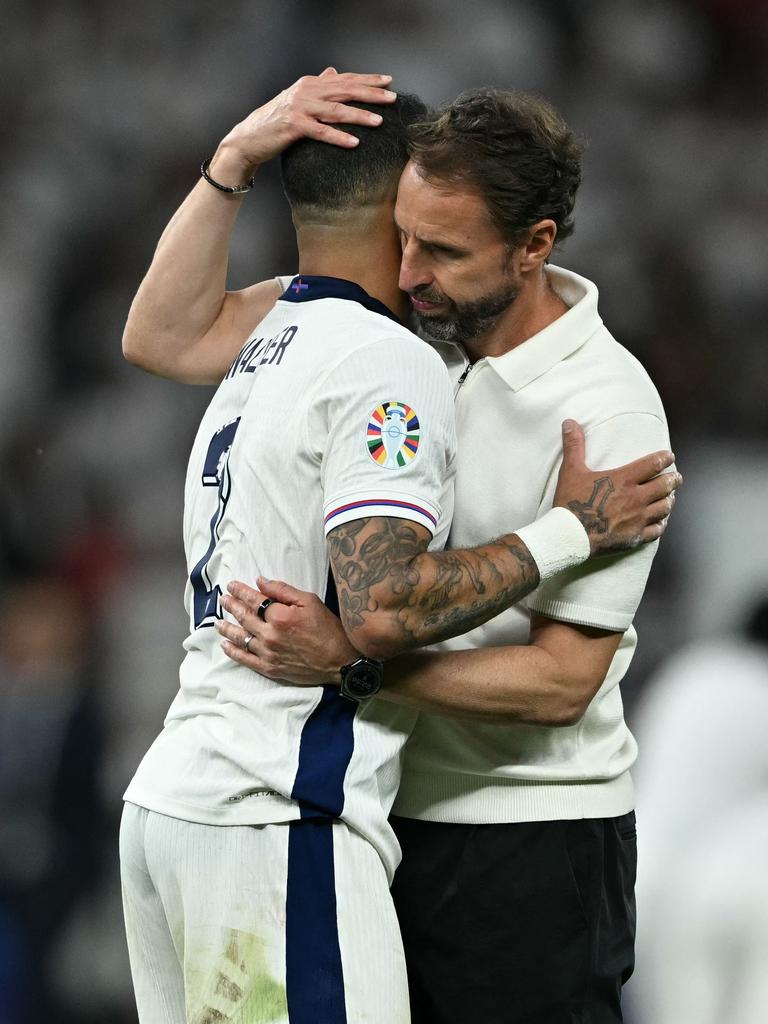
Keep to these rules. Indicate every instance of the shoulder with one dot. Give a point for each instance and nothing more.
(601, 365)
(372, 336)
(451, 355)
(615, 377)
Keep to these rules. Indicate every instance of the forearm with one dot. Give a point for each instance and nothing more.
(184, 290)
(394, 595)
(496, 684)
(451, 592)
(550, 681)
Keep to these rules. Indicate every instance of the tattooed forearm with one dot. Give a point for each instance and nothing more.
(382, 567)
(591, 513)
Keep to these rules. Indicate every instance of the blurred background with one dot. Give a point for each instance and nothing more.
(107, 110)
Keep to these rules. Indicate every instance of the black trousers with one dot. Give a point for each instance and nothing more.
(530, 923)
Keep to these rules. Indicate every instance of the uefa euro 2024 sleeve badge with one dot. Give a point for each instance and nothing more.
(393, 435)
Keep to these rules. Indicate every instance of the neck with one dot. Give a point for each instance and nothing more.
(366, 252)
(536, 307)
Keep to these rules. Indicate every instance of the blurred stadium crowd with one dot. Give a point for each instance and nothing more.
(108, 110)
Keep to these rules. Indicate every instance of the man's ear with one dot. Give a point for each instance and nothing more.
(535, 251)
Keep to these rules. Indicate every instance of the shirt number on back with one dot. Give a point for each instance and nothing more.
(215, 474)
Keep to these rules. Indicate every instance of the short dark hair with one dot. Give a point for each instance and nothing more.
(320, 177)
(515, 150)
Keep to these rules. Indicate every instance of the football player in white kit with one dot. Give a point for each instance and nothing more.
(255, 848)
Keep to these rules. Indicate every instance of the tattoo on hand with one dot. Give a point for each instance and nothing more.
(591, 513)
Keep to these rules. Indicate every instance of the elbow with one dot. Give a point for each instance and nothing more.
(564, 713)
(378, 637)
(380, 647)
(565, 704)
(133, 351)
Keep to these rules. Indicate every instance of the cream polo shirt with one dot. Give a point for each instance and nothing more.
(509, 411)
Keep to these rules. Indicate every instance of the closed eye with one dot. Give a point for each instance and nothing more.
(445, 250)
(435, 248)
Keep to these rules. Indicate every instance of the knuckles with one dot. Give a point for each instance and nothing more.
(280, 616)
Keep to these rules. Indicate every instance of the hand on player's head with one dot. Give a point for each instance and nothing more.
(619, 508)
(309, 109)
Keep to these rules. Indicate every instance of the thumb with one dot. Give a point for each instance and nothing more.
(280, 591)
(573, 442)
(327, 73)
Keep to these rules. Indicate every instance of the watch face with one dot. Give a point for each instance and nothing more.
(364, 680)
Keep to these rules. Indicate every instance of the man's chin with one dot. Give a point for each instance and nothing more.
(436, 328)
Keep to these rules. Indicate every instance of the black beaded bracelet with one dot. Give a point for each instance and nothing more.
(232, 190)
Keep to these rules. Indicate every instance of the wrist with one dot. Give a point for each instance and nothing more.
(230, 166)
(557, 541)
(338, 659)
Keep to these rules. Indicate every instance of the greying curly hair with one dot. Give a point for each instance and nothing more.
(513, 149)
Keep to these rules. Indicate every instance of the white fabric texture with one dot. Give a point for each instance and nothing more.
(287, 434)
(509, 412)
(205, 912)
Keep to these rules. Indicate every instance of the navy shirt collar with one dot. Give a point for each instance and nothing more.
(307, 287)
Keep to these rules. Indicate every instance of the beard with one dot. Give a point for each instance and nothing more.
(464, 321)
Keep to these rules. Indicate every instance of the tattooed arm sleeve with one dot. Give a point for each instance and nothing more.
(395, 595)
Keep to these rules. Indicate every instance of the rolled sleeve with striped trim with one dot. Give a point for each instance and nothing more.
(390, 443)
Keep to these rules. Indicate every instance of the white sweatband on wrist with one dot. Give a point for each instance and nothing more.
(557, 541)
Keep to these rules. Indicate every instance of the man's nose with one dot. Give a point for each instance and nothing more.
(414, 271)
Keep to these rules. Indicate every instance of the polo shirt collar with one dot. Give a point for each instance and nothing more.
(307, 287)
(540, 353)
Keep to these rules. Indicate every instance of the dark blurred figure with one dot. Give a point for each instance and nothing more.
(702, 788)
(50, 809)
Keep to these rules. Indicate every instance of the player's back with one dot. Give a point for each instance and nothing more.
(283, 454)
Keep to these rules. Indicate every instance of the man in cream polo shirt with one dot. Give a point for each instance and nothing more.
(493, 772)
(516, 890)
(530, 795)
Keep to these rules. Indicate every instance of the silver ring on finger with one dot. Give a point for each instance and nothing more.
(247, 642)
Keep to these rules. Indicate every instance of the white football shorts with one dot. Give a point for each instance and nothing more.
(288, 922)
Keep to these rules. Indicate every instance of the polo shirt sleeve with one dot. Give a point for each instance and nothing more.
(383, 426)
(605, 592)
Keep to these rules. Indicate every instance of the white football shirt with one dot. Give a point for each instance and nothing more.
(331, 412)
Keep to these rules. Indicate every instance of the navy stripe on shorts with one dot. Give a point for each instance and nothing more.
(313, 971)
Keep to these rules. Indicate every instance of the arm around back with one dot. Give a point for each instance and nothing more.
(157, 340)
(395, 595)
(548, 682)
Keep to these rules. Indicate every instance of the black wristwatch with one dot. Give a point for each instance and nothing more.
(362, 679)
